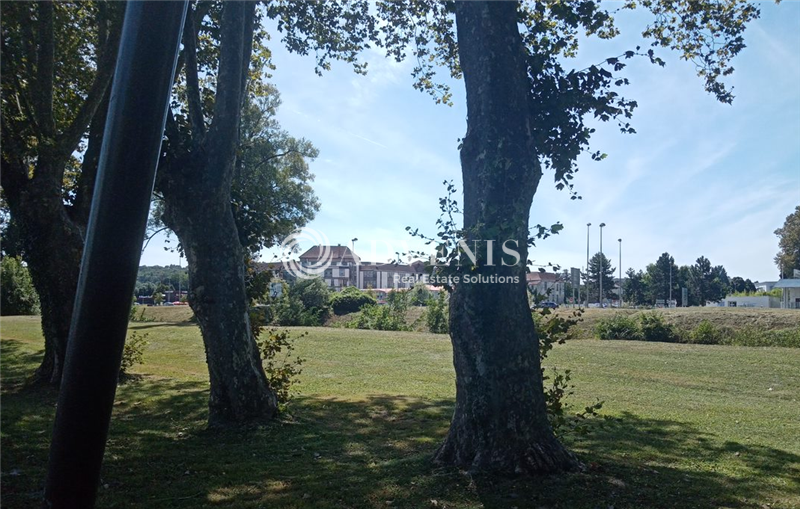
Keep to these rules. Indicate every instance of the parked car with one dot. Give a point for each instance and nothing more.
(545, 304)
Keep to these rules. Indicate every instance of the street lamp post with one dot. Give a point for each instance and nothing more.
(669, 304)
(620, 273)
(358, 260)
(586, 277)
(602, 265)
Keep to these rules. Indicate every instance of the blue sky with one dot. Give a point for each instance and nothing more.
(698, 178)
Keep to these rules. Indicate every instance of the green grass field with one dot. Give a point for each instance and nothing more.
(694, 426)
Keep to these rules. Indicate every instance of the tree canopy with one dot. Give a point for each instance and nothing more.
(788, 257)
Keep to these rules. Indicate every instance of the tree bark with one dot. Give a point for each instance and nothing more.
(52, 232)
(500, 421)
(240, 393)
(196, 186)
(53, 245)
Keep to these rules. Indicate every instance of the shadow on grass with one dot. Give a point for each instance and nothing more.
(371, 453)
(18, 363)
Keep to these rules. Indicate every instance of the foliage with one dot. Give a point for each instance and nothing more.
(18, 296)
(133, 352)
(553, 329)
(290, 311)
(635, 289)
(271, 194)
(150, 279)
(706, 333)
(788, 257)
(704, 284)
(658, 278)
(391, 316)
(618, 326)
(281, 364)
(600, 267)
(137, 314)
(419, 295)
(775, 292)
(437, 314)
(739, 285)
(654, 328)
(350, 300)
(312, 292)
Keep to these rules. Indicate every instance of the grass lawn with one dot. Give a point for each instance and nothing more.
(695, 426)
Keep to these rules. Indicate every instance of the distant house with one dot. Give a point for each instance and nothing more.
(540, 283)
(765, 286)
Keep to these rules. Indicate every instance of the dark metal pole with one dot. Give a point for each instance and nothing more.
(131, 145)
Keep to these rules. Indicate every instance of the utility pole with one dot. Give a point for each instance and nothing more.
(669, 303)
(602, 265)
(586, 277)
(620, 273)
(137, 112)
(357, 260)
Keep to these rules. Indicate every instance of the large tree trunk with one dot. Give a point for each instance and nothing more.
(53, 245)
(500, 422)
(196, 186)
(240, 392)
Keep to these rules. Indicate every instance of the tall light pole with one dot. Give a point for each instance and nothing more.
(602, 265)
(586, 277)
(669, 304)
(620, 273)
(358, 260)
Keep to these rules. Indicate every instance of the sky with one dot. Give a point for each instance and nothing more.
(699, 178)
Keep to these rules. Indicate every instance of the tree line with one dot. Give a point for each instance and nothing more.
(662, 280)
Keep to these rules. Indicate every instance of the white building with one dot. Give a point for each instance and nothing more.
(791, 293)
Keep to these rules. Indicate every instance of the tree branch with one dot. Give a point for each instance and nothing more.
(43, 93)
(24, 105)
(236, 41)
(190, 33)
(106, 63)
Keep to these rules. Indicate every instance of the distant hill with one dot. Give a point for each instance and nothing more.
(151, 276)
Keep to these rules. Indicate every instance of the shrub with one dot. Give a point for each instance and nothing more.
(281, 366)
(16, 288)
(375, 317)
(618, 326)
(554, 330)
(655, 328)
(437, 315)
(133, 352)
(312, 292)
(350, 300)
(305, 304)
(290, 312)
(706, 333)
(391, 316)
(752, 336)
(419, 295)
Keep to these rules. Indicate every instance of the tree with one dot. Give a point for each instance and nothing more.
(525, 112)
(52, 127)
(788, 257)
(659, 276)
(635, 289)
(600, 266)
(741, 285)
(271, 194)
(18, 296)
(194, 178)
(232, 182)
(706, 283)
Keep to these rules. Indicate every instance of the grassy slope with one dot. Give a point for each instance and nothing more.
(699, 427)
